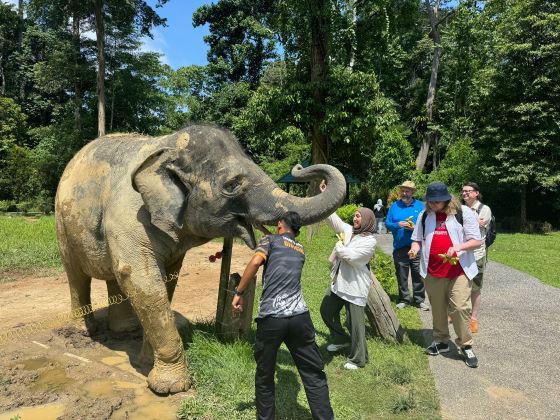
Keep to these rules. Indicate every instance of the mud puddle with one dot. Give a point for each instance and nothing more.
(63, 374)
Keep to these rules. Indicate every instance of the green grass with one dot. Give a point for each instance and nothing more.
(397, 382)
(537, 255)
(27, 245)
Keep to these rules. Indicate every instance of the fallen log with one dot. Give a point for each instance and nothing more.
(381, 315)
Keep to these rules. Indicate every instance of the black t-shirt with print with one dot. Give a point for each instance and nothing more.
(281, 296)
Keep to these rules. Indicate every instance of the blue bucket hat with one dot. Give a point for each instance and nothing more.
(437, 191)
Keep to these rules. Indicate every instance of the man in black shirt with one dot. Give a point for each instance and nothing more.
(283, 316)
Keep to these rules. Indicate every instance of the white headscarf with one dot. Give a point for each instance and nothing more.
(379, 205)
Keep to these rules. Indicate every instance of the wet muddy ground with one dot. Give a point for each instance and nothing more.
(62, 373)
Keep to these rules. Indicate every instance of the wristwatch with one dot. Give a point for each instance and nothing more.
(238, 292)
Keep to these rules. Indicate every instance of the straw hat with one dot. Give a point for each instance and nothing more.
(408, 184)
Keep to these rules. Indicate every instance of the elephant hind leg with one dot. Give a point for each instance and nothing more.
(121, 316)
(80, 298)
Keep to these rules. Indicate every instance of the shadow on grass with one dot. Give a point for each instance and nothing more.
(288, 384)
(287, 389)
(419, 337)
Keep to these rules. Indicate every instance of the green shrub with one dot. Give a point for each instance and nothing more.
(384, 270)
(7, 205)
(347, 211)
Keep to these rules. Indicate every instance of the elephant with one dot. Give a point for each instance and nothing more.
(128, 207)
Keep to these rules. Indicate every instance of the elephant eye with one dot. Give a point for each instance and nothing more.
(232, 186)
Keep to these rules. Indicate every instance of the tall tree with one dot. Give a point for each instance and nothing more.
(9, 27)
(241, 42)
(319, 19)
(522, 111)
(100, 38)
(433, 13)
(136, 15)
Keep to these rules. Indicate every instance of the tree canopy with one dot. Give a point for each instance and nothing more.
(385, 90)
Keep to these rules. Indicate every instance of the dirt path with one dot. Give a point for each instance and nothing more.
(517, 346)
(64, 374)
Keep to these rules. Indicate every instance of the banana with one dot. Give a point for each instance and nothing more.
(450, 260)
(409, 221)
(340, 236)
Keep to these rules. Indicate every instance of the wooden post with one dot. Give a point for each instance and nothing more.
(228, 325)
(237, 325)
(380, 314)
(224, 280)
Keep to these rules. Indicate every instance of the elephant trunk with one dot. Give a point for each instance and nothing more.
(270, 202)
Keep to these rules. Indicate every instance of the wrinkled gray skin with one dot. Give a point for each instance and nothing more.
(128, 208)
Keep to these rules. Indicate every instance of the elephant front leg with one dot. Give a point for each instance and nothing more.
(148, 296)
(147, 354)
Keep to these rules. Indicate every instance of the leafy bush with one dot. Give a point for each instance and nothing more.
(7, 205)
(537, 227)
(384, 270)
(457, 167)
(347, 211)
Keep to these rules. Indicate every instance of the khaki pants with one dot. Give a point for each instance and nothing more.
(453, 296)
(477, 280)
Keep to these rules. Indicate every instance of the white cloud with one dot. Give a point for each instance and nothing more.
(157, 44)
(14, 2)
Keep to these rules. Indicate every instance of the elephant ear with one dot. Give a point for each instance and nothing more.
(164, 189)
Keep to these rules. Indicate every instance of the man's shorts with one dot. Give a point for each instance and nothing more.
(477, 281)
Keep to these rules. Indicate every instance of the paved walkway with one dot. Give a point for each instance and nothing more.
(518, 347)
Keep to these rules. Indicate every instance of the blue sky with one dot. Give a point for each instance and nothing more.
(180, 43)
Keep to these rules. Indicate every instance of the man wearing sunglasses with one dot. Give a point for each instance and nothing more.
(471, 197)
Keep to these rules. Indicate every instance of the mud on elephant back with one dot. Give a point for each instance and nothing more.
(128, 207)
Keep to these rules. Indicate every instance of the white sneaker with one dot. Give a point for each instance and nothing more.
(423, 306)
(401, 305)
(336, 347)
(350, 366)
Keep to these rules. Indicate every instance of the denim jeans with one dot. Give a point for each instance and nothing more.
(404, 265)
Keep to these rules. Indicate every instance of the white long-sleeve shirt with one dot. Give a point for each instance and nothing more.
(350, 273)
(458, 235)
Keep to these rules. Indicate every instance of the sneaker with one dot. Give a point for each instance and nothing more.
(401, 305)
(336, 347)
(350, 366)
(437, 348)
(470, 358)
(474, 326)
(423, 306)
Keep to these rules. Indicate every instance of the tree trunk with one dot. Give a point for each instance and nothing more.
(353, 42)
(2, 78)
(20, 23)
(318, 74)
(78, 93)
(21, 5)
(523, 205)
(381, 315)
(320, 148)
(427, 137)
(100, 34)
